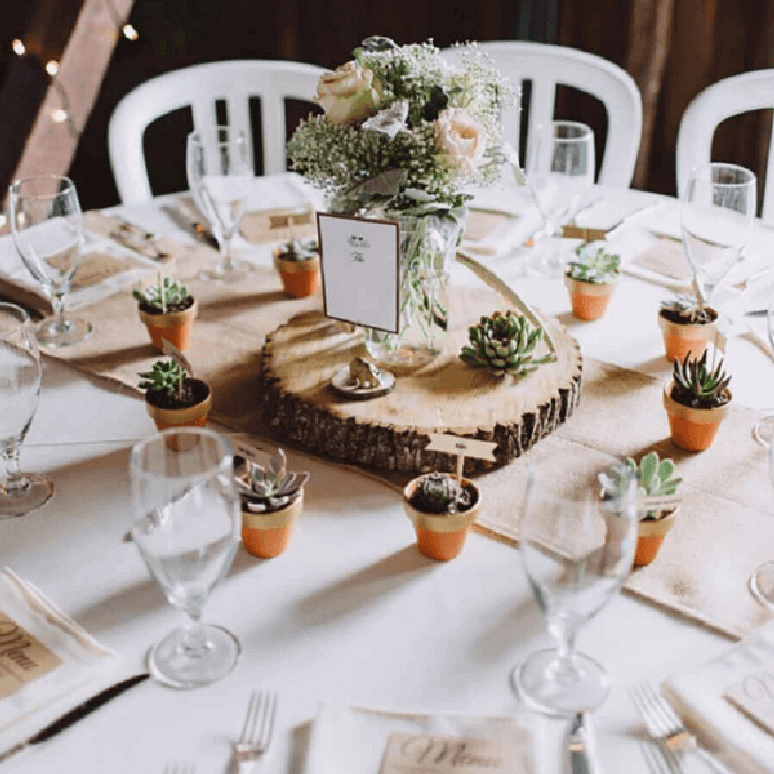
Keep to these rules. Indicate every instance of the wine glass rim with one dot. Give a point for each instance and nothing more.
(23, 318)
(747, 174)
(225, 459)
(17, 184)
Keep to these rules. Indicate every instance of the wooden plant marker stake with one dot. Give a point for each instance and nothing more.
(656, 503)
(453, 444)
(184, 363)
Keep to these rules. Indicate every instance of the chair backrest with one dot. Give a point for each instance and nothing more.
(724, 99)
(546, 66)
(199, 87)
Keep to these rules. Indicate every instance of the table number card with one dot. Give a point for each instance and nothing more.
(754, 696)
(23, 658)
(431, 754)
(359, 263)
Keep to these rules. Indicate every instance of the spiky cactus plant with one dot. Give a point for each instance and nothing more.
(699, 386)
(503, 343)
(594, 265)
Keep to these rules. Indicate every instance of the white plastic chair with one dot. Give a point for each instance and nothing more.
(548, 65)
(199, 87)
(724, 99)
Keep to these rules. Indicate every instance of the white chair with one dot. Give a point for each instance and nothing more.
(724, 99)
(199, 87)
(546, 66)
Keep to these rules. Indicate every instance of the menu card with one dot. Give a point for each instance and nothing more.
(754, 695)
(23, 657)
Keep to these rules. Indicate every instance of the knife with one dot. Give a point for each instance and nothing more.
(194, 227)
(580, 746)
(75, 714)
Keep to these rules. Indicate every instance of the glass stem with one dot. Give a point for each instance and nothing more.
(58, 302)
(15, 482)
(228, 264)
(194, 641)
(565, 668)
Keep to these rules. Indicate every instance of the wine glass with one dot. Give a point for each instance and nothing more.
(220, 176)
(577, 549)
(186, 522)
(718, 209)
(559, 173)
(47, 227)
(762, 580)
(20, 374)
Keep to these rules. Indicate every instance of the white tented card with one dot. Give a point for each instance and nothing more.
(170, 349)
(469, 447)
(359, 263)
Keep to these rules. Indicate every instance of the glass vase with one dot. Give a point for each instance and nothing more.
(427, 245)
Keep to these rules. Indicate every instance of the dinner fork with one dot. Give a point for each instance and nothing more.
(257, 729)
(667, 729)
(654, 757)
(179, 767)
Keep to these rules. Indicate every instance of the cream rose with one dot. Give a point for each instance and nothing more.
(348, 95)
(461, 139)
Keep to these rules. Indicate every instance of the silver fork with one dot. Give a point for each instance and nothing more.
(667, 729)
(257, 729)
(654, 757)
(179, 767)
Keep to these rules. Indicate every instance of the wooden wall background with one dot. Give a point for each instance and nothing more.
(673, 50)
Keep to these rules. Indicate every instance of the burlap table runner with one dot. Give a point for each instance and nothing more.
(725, 527)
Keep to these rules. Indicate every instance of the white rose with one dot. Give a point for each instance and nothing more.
(461, 139)
(349, 94)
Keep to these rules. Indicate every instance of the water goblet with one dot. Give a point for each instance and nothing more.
(577, 542)
(47, 227)
(220, 176)
(761, 582)
(718, 210)
(20, 374)
(560, 171)
(186, 522)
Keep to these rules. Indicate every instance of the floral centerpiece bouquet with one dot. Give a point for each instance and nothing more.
(402, 134)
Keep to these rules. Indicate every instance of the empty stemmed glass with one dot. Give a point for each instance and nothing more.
(47, 227)
(186, 522)
(718, 209)
(577, 541)
(560, 171)
(762, 580)
(20, 374)
(220, 176)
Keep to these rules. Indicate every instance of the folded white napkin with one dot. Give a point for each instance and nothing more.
(32, 677)
(739, 742)
(352, 740)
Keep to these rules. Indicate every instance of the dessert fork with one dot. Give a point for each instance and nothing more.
(667, 729)
(256, 730)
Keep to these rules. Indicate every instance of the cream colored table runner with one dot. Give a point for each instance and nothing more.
(726, 524)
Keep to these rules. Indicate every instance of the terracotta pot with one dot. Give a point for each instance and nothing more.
(589, 299)
(440, 537)
(268, 535)
(175, 327)
(299, 278)
(693, 429)
(682, 338)
(191, 416)
(650, 536)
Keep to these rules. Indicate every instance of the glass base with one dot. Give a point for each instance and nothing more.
(763, 431)
(406, 356)
(549, 260)
(50, 334)
(173, 664)
(542, 688)
(232, 272)
(762, 584)
(37, 492)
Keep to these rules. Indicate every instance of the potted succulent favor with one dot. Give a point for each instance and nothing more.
(442, 512)
(298, 264)
(591, 281)
(654, 479)
(272, 499)
(173, 398)
(686, 325)
(696, 400)
(168, 311)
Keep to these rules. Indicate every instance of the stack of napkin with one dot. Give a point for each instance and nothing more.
(706, 701)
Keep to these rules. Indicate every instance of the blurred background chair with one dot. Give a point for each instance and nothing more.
(546, 66)
(210, 90)
(724, 99)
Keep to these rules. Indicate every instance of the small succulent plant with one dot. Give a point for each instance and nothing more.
(439, 493)
(503, 343)
(654, 479)
(299, 250)
(688, 309)
(166, 376)
(162, 296)
(699, 386)
(594, 265)
(268, 489)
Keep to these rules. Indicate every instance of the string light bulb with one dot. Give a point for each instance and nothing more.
(130, 33)
(59, 116)
(18, 47)
(52, 67)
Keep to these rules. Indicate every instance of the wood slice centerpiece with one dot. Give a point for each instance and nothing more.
(446, 396)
